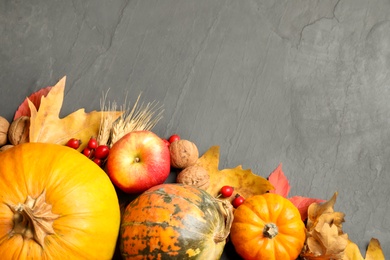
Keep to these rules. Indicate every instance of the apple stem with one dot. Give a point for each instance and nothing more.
(137, 159)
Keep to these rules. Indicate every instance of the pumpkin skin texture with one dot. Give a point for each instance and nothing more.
(75, 197)
(254, 225)
(174, 221)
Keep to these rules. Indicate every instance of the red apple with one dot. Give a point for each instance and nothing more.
(138, 161)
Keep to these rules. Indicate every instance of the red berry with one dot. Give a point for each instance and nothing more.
(238, 200)
(101, 152)
(74, 143)
(92, 143)
(173, 138)
(226, 191)
(88, 152)
(97, 161)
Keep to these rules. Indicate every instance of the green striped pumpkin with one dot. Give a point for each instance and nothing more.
(174, 221)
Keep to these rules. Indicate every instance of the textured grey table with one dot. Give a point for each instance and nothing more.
(305, 83)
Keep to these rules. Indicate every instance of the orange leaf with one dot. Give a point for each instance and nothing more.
(47, 127)
(35, 98)
(280, 182)
(245, 182)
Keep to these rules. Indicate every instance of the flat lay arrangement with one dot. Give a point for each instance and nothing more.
(75, 174)
(273, 116)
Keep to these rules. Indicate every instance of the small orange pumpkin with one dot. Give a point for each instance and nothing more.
(55, 203)
(268, 227)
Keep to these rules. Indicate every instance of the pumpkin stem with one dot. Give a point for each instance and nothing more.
(270, 230)
(222, 236)
(33, 219)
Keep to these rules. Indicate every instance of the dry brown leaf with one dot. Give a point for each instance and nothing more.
(332, 242)
(325, 239)
(316, 210)
(47, 127)
(245, 182)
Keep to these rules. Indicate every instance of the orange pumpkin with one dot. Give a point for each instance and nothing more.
(55, 203)
(268, 227)
(174, 221)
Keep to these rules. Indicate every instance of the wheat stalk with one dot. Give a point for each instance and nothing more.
(140, 117)
(106, 121)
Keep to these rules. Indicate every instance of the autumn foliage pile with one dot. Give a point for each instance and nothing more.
(325, 238)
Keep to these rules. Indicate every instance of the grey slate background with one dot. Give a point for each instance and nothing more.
(304, 83)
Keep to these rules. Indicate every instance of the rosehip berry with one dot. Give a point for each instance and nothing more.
(88, 152)
(226, 191)
(92, 143)
(174, 137)
(97, 161)
(73, 143)
(238, 200)
(101, 152)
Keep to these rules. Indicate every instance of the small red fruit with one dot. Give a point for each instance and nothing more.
(102, 151)
(174, 137)
(92, 143)
(97, 161)
(88, 152)
(73, 143)
(226, 191)
(238, 200)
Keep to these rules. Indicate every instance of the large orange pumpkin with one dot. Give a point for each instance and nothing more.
(174, 221)
(267, 227)
(55, 204)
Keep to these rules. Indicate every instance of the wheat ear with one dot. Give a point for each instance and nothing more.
(139, 117)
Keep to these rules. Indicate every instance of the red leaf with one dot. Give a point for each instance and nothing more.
(303, 203)
(35, 98)
(279, 181)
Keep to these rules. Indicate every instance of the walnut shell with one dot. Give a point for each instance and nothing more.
(19, 130)
(194, 175)
(4, 126)
(183, 154)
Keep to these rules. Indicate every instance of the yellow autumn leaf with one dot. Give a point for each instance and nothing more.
(374, 250)
(47, 127)
(352, 252)
(245, 182)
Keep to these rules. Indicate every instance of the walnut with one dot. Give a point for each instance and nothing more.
(19, 130)
(4, 126)
(194, 175)
(183, 153)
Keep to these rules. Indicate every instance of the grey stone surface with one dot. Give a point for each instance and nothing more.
(302, 82)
